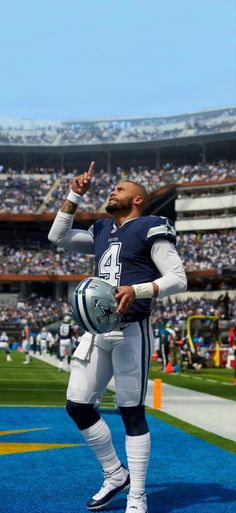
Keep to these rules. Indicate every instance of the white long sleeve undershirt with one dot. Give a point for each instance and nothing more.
(163, 253)
(173, 278)
(63, 235)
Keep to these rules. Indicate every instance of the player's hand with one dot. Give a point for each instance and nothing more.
(125, 297)
(80, 184)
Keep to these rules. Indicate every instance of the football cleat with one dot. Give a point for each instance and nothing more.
(114, 483)
(93, 306)
(136, 504)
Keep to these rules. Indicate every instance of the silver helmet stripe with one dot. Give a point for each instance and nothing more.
(93, 306)
(81, 306)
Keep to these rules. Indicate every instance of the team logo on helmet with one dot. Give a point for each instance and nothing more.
(93, 306)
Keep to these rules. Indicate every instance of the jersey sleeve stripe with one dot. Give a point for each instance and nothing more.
(160, 230)
(91, 230)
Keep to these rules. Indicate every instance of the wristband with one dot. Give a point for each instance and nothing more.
(74, 197)
(144, 290)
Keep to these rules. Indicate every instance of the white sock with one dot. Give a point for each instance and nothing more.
(98, 437)
(138, 451)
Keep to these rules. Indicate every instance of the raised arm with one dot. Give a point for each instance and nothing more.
(80, 185)
(61, 233)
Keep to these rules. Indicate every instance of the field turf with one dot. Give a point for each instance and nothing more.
(41, 450)
(42, 385)
(36, 384)
(213, 381)
(47, 467)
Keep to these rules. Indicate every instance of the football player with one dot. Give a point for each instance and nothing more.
(65, 335)
(4, 345)
(137, 255)
(44, 341)
(25, 333)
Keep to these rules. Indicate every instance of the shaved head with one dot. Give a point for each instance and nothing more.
(126, 196)
(141, 191)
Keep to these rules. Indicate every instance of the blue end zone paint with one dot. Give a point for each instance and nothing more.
(186, 474)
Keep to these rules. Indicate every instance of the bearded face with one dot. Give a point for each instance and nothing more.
(122, 205)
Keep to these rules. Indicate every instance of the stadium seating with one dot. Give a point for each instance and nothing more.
(35, 192)
(153, 128)
(198, 251)
(180, 154)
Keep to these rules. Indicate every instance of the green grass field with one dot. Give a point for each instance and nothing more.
(40, 384)
(213, 381)
(37, 384)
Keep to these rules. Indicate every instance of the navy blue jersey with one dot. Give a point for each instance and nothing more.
(123, 255)
(65, 331)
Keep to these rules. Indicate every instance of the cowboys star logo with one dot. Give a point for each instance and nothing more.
(107, 311)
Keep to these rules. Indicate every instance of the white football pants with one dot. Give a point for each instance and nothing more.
(124, 354)
(65, 347)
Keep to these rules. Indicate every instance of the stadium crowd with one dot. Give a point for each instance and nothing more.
(178, 310)
(117, 131)
(198, 251)
(101, 186)
(20, 195)
(40, 261)
(207, 250)
(27, 193)
(41, 311)
(37, 311)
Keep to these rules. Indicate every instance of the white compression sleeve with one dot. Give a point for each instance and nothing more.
(62, 235)
(138, 452)
(173, 278)
(98, 437)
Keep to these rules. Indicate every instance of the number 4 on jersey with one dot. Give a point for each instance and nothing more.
(109, 266)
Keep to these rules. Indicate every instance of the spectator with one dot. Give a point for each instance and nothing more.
(42, 189)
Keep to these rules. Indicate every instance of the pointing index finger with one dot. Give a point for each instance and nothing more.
(91, 169)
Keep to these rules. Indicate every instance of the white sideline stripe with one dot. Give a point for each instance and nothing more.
(203, 379)
(208, 412)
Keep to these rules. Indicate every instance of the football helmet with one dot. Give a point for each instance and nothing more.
(93, 306)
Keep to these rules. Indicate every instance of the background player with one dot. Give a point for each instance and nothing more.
(137, 255)
(45, 341)
(65, 336)
(4, 345)
(25, 333)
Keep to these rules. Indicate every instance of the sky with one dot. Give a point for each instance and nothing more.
(96, 59)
